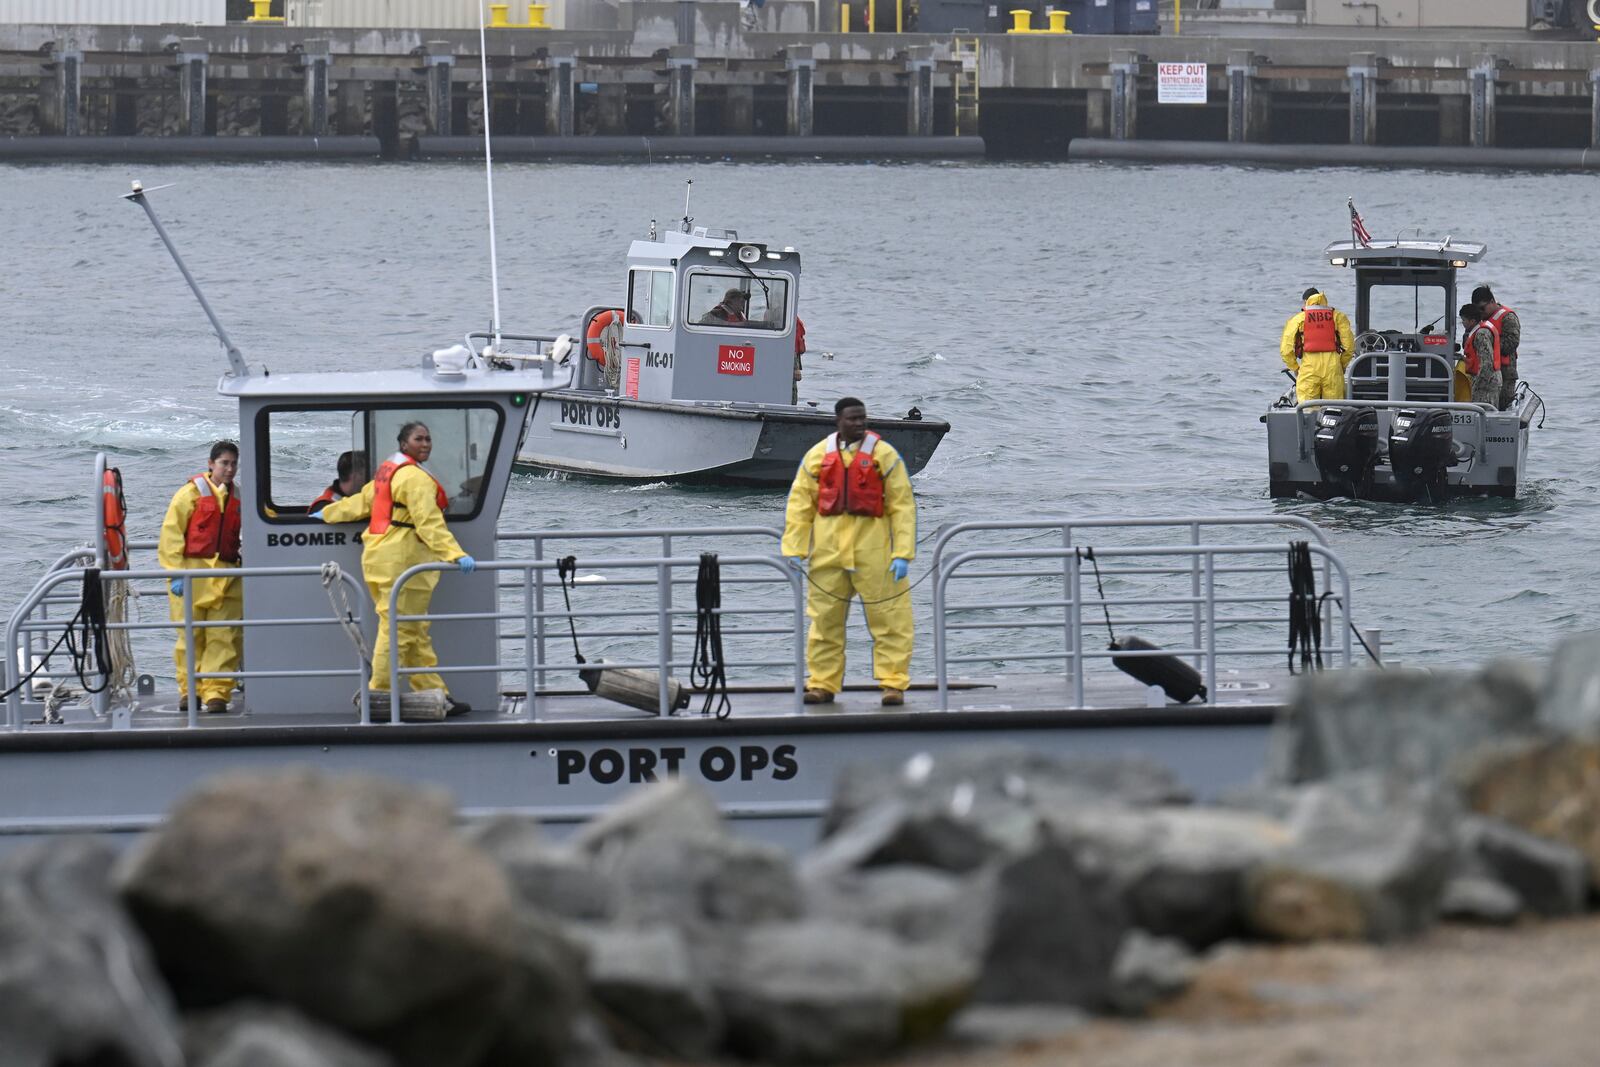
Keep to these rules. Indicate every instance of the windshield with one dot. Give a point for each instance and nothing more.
(751, 303)
(1408, 309)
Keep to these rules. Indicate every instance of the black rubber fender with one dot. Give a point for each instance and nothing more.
(1178, 680)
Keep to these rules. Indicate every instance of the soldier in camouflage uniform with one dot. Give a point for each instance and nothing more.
(1509, 325)
(1478, 350)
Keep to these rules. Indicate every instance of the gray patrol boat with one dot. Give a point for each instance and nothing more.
(694, 379)
(1401, 434)
(1011, 610)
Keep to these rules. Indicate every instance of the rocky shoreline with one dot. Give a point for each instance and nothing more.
(288, 919)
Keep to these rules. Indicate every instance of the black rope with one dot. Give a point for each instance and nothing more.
(1304, 632)
(1088, 553)
(566, 571)
(707, 668)
(85, 636)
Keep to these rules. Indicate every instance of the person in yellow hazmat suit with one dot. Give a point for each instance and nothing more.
(852, 513)
(201, 532)
(404, 507)
(1317, 345)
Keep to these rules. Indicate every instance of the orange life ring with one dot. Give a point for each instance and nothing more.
(597, 326)
(114, 513)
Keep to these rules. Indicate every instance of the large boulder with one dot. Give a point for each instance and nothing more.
(647, 981)
(1570, 701)
(555, 878)
(669, 809)
(1369, 861)
(351, 898)
(1410, 723)
(915, 904)
(816, 991)
(1549, 788)
(1549, 878)
(77, 982)
(1054, 927)
(702, 879)
(1178, 871)
(1149, 970)
(250, 1034)
(996, 778)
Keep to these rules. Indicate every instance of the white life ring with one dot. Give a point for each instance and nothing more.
(1594, 12)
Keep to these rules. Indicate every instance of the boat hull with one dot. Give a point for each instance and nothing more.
(576, 432)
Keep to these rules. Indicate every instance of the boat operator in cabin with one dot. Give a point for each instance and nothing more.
(852, 513)
(404, 507)
(351, 471)
(731, 312)
(201, 531)
(1317, 345)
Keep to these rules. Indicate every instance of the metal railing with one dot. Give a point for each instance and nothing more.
(667, 539)
(533, 615)
(21, 626)
(1198, 561)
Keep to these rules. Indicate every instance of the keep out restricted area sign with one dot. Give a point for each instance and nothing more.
(1180, 83)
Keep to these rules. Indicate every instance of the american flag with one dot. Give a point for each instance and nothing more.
(1358, 228)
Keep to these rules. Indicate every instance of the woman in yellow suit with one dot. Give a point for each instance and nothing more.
(404, 506)
(201, 532)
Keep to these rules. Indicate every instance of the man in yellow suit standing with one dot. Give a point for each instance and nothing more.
(1317, 345)
(201, 532)
(852, 513)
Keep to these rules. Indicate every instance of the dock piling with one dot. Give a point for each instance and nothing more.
(561, 102)
(1594, 108)
(680, 89)
(800, 68)
(1244, 102)
(1363, 74)
(1485, 73)
(919, 96)
(440, 63)
(317, 55)
(194, 55)
(1124, 95)
(61, 96)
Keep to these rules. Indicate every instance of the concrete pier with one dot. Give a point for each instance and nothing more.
(644, 79)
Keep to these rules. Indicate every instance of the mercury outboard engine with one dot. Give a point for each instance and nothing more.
(1421, 447)
(1347, 448)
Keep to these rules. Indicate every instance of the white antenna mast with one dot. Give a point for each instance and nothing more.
(688, 219)
(488, 172)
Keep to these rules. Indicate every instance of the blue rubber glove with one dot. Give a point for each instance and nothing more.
(899, 568)
(316, 514)
(176, 586)
(467, 564)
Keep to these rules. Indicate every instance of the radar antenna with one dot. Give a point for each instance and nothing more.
(235, 358)
(688, 187)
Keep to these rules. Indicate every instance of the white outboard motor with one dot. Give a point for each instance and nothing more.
(1346, 448)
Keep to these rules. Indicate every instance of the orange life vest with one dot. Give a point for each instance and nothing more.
(856, 490)
(328, 496)
(383, 504)
(213, 530)
(1317, 330)
(1469, 352)
(1496, 320)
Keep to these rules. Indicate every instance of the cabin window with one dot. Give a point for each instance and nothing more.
(1410, 309)
(299, 452)
(759, 302)
(650, 298)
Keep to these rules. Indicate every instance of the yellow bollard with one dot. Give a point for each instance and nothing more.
(499, 16)
(1058, 22)
(536, 16)
(844, 18)
(872, 16)
(1177, 17)
(899, 16)
(263, 12)
(1021, 21)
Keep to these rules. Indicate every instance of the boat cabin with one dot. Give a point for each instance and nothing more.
(708, 317)
(292, 429)
(1405, 317)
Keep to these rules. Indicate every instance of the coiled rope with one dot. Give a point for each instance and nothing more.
(1305, 635)
(339, 598)
(707, 668)
(85, 638)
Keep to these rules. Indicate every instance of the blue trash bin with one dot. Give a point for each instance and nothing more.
(1090, 16)
(1137, 16)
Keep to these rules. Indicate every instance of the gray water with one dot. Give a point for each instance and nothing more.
(1102, 338)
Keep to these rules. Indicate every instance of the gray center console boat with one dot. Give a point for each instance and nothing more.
(1404, 431)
